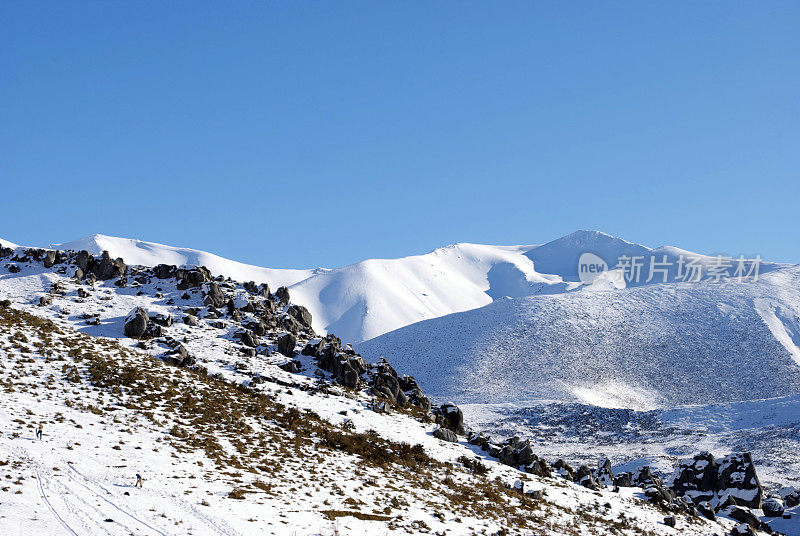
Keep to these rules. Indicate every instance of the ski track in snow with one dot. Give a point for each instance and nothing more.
(50, 505)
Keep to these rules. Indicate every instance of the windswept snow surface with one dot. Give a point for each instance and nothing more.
(639, 348)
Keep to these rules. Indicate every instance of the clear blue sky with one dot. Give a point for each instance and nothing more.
(295, 134)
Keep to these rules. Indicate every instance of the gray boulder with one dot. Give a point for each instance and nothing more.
(301, 314)
(282, 294)
(50, 259)
(136, 323)
(214, 297)
(452, 418)
(773, 507)
(445, 435)
(286, 344)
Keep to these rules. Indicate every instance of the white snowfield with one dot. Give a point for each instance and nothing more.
(110, 410)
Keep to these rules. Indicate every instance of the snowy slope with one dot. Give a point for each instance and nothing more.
(641, 348)
(152, 254)
(366, 299)
(222, 453)
(370, 298)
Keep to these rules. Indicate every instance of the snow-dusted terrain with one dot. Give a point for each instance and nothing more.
(367, 299)
(642, 348)
(645, 373)
(237, 445)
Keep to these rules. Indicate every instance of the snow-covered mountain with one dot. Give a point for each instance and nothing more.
(367, 299)
(641, 348)
(243, 421)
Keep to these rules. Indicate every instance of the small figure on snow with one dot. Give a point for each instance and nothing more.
(138, 481)
(39, 432)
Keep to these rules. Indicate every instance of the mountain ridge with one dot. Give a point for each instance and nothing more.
(369, 298)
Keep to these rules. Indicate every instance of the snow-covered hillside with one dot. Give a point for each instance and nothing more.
(152, 254)
(641, 348)
(233, 441)
(369, 298)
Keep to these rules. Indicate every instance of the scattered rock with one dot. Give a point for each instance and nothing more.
(300, 314)
(564, 469)
(136, 323)
(162, 319)
(445, 434)
(706, 510)
(282, 294)
(773, 507)
(179, 357)
(743, 515)
(743, 529)
(790, 496)
(286, 344)
(291, 365)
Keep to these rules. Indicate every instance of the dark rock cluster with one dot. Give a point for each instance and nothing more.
(732, 478)
(350, 370)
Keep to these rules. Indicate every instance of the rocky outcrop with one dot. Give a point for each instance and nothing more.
(214, 297)
(703, 478)
(107, 268)
(282, 294)
(192, 277)
(737, 478)
(696, 478)
(301, 314)
(604, 474)
(585, 477)
(450, 416)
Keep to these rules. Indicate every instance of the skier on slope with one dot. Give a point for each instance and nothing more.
(39, 432)
(138, 481)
